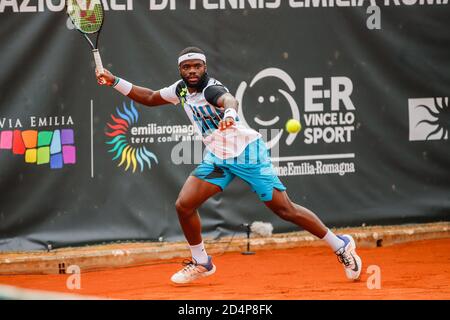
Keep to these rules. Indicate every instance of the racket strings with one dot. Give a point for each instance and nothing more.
(86, 15)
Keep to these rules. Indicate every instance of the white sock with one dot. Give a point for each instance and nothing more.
(199, 253)
(333, 241)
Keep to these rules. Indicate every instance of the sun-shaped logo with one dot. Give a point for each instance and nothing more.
(124, 152)
(440, 118)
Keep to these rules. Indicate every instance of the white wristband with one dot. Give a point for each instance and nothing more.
(123, 86)
(230, 113)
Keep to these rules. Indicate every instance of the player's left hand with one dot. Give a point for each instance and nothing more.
(226, 123)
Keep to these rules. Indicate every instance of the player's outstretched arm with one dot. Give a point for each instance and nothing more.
(141, 95)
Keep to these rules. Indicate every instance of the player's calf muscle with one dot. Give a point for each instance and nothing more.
(302, 217)
(288, 213)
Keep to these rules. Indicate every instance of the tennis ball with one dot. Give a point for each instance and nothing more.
(293, 126)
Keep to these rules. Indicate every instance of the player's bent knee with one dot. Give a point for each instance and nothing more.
(182, 208)
(179, 206)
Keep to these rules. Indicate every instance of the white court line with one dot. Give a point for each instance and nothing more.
(315, 157)
(92, 138)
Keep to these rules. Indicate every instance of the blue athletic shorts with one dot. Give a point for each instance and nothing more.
(253, 166)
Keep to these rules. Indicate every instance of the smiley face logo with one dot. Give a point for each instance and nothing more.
(271, 77)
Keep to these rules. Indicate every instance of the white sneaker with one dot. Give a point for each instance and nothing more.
(348, 257)
(193, 271)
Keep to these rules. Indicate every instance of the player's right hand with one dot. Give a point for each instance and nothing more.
(105, 78)
(226, 123)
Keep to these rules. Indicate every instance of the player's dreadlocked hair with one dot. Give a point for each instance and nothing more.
(191, 50)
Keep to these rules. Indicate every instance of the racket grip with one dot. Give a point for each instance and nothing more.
(98, 60)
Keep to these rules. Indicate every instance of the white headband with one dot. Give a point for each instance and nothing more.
(191, 56)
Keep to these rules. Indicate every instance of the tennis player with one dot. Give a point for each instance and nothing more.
(232, 150)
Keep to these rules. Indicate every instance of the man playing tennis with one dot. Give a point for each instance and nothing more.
(233, 150)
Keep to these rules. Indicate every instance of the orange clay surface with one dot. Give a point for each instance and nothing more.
(415, 270)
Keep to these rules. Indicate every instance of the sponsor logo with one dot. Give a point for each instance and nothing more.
(429, 119)
(126, 150)
(327, 115)
(52, 147)
(275, 120)
(332, 122)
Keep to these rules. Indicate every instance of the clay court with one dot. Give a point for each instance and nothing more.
(414, 270)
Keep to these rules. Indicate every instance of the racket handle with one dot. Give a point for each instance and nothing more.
(98, 60)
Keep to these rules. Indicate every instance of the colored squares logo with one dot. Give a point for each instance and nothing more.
(56, 148)
(6, 139)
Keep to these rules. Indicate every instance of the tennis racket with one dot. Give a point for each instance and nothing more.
(87, 16)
